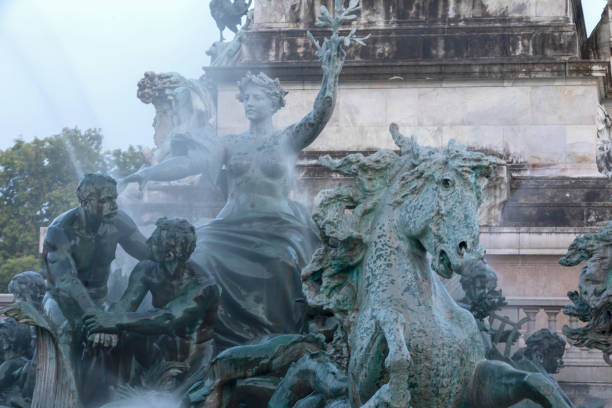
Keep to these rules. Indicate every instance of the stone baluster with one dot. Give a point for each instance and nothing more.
(573, 323)
(552, 313)
(531, 313)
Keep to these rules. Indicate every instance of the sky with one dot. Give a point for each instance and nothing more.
(67, 63)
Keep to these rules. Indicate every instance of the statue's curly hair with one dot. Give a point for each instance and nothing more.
(174, 233)
(28, 285)
(271, 87)
(544, 340)
(159, 86)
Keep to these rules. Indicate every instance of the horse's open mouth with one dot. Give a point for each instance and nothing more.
(444, 265)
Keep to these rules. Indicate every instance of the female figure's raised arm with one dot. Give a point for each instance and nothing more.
(304, 132)
(331, 54)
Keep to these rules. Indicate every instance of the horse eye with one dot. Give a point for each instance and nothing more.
(446, 183)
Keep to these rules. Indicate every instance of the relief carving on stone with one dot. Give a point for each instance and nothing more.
(604, 142)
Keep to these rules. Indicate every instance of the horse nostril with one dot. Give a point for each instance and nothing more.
(462, 249)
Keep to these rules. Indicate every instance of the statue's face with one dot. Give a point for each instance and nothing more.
(555, 364)
(170, 251)
(162, 251)
(551, 360)
(443, 217)
(104, 205)
(257, 104)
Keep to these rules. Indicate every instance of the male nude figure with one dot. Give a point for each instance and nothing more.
(90, 234)
(78, 250)
(184, 297)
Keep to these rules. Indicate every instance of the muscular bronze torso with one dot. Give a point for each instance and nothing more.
(93, 252)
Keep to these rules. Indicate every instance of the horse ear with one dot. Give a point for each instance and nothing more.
(398, 138)
(406, 145)
(348, 165)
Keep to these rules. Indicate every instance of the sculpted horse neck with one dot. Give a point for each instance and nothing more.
(410, 343)
(405, 309)
(403, 305)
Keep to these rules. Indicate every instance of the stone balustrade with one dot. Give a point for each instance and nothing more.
(585, 373)
(543, 312)
(5, 299)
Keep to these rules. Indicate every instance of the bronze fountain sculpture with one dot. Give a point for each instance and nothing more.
(411, 344)
(261, 306)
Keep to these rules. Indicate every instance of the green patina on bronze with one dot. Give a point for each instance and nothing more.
(410, 343)
(383, 331)
(184, 300)
(17, 343)
(78, 249)
(592, 303)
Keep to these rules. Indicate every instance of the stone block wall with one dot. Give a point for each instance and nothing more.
(413, 30)
(533, 275)
(300, 13)
(542, 122)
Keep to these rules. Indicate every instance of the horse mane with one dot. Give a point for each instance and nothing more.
(346, 214)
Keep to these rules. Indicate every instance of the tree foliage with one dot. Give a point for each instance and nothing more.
(13, 266)
(38, 181)
(125, 162)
